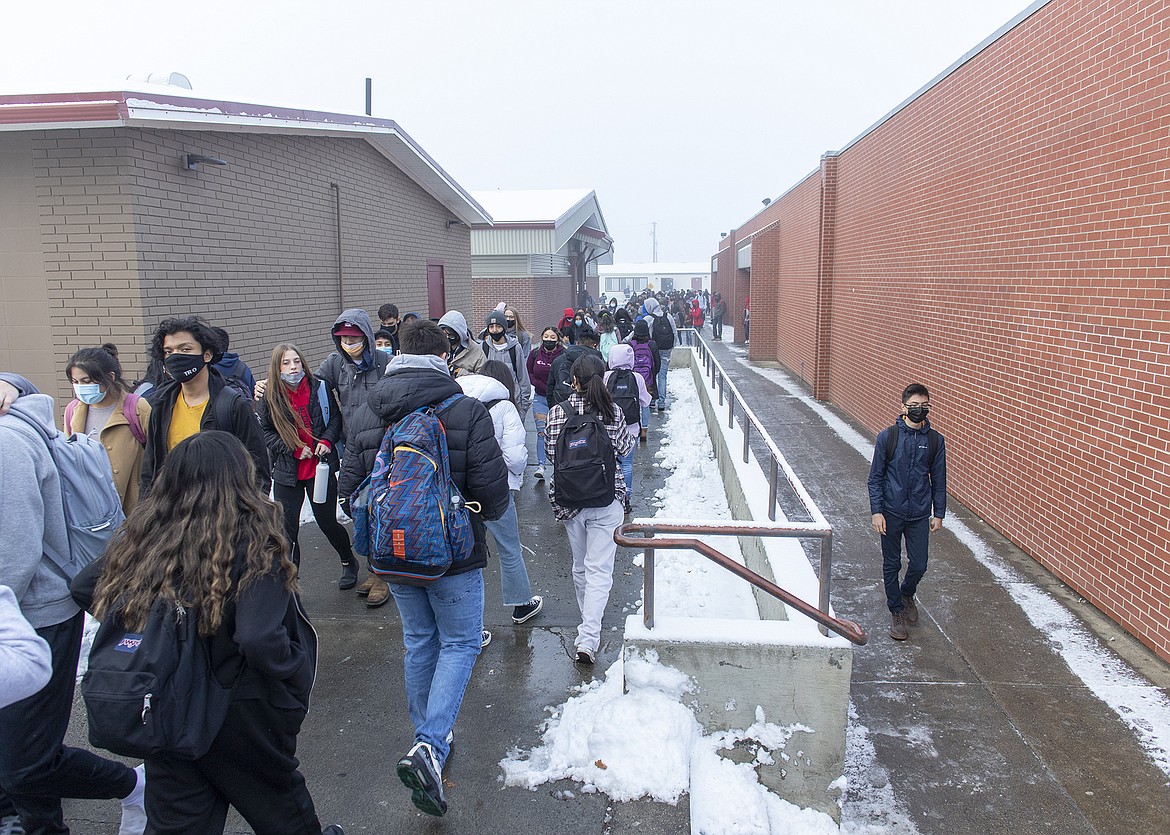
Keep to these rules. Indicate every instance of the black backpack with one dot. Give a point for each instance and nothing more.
(624, 390)
(931, 446)
(155, 692)
(585, 465)
(662, 333)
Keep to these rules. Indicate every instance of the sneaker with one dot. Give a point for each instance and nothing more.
(419, 771)
(333, 829)
(898, 626)
(11, 825)
(539, 473)
(133, 809)
(485, 639)
(525, 613)
(585, 656)
(910, 609)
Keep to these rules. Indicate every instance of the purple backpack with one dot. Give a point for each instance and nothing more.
(644, 361)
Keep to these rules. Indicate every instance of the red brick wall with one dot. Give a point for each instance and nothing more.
(539, 301)
(1005, 239)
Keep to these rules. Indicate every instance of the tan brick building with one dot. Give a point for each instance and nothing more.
(542, 248)
(105, 227)
(1004, 237)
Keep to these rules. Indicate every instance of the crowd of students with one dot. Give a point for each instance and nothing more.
(212, 467)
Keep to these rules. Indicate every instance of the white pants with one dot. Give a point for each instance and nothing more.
(591, 538)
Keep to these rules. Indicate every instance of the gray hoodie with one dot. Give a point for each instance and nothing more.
(511, 354)
(471, 357)
(31, 514)
(353, 380)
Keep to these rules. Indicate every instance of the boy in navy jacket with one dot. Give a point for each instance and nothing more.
(908, 500)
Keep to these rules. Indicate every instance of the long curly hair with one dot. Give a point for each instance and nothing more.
(287, 423)
(180, 543)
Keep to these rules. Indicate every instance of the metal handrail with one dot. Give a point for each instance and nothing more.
(819, 528)
(845, 628)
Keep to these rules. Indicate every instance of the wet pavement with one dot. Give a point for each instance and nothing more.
(977, 724)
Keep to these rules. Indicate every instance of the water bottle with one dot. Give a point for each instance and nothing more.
(321, 482)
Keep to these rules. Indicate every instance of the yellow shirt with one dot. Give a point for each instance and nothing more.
(184, 421)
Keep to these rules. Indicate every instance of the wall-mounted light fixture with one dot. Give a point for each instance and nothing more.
(722, 235)
(192, 161)
(766, 200)
(454, 222)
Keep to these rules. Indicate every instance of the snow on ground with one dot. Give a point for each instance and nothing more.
(1140, 705)
(646, 742)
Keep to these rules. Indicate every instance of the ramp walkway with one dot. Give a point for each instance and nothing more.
(974, 725)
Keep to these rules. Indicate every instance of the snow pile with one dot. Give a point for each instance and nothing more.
(687, 584)
(1140, 705)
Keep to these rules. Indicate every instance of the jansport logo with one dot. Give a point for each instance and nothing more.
(578, 443)
(129, 643)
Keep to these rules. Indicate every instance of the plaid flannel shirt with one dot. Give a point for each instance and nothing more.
(622, 441)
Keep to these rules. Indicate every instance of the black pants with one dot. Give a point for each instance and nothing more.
(36, 769)
(293, 498)
(717, 328)
(252, 765)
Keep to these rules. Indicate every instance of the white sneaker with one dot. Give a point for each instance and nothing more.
(539, 473)
(133, 806)
(486, 639)
(11, 825)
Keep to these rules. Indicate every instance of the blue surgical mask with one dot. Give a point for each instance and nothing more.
(386, 349)
(88, 393)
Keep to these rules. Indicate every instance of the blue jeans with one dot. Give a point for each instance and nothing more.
(646, 416)
(627, 462)
(540, 415)
(442, 627)
(664, 358)
(917, 535)
(516, 588)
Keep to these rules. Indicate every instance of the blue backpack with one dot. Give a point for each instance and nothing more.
(417, 522)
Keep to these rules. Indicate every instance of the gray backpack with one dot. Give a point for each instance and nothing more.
(93, 510)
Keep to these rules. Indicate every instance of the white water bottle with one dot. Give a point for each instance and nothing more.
(321, 482)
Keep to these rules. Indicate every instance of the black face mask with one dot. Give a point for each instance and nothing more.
(916, 414)
(551, 344)
(184, 367)
(511, 325)
(454, 343)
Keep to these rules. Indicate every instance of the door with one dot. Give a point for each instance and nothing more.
(436, 291)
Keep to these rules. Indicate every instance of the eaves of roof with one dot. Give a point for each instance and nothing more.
(152, 110)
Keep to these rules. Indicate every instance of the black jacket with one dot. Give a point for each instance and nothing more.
(235, 415)
(265, 637)
(351, 381)
(560, 376)
(284, 460)
(477, 465)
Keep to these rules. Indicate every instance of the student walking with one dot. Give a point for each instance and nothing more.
(206, 537)
(442, 621)
(495, 389)
(908, 500)
(501, 346)
(196, 399)
(36, 768)
(647, 361)
(540, 364)
(628, 389)
(298, 436)
(106, 409)
(718, 314)
(586, 436)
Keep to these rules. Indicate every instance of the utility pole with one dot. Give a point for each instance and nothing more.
(369, 97)
(654, 238)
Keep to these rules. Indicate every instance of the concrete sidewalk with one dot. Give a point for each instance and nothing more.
(977, 724)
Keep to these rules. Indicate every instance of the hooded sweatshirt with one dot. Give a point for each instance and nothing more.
(353, 379)
(510, 433)
(31, 515)
(230, 365)
(511, 354)
(469, 359)
(621, 356)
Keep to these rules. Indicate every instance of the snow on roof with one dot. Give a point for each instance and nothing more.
(137, 103)
(548, 205)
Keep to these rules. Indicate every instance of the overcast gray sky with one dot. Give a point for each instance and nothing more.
(679, 112)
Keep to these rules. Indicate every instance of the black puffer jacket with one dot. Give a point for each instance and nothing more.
(477, 465)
